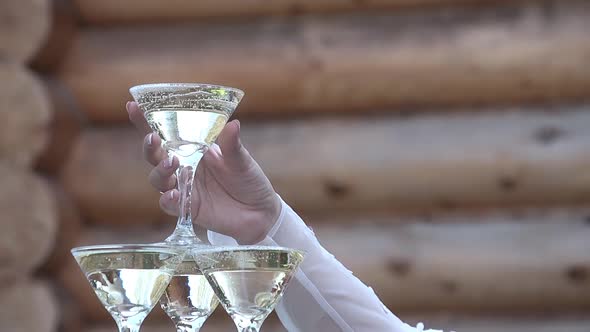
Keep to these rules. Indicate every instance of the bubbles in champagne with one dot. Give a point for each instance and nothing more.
(249, 281)
(127, 293)
(186, 133)
(250, 293)
(128, 280)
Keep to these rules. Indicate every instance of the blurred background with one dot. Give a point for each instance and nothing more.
(439, 148)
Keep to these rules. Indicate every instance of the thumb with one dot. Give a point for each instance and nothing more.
(234, 153)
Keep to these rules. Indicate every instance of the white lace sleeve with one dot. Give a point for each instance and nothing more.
(323, 295)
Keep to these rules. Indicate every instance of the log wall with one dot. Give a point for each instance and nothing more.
(29, 215)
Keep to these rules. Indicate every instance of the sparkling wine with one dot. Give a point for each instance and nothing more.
(186, 133)
(249, 282)
(129, 292)
(128, 284)
(250, 293)
(189, 299)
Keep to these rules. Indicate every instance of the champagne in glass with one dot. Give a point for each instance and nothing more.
(128, 279)
(188, 118)
(249, 280)
(189, 299)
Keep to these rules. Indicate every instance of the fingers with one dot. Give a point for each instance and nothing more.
(136, 117)
(234, 154)
(169, 202)
(162, 176)
(152, 149)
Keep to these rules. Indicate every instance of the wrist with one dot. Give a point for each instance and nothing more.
(266, 225)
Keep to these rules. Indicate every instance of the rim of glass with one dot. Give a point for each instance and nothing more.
(197, 251)
(154, 86)
(124, 248)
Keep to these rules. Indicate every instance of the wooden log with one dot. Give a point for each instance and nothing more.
(541, 323)
(505, 267)
(25, 115)
(64, 127)
(520, 53)
(527, 326)
(530, 326)
(29, 222)
(28, 306)
(61, 34)
(68, 231)
(430, 162)
(328, 166)
(88, 175)
(25, 25)
(523, 264)
(110, 11)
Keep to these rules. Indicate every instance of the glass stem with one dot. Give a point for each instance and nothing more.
(186, 175)
(185, 325)
(187, 328)
(127, 328)
(184, 232)
(250, 329)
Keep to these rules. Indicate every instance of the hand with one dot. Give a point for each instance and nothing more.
(231, 195)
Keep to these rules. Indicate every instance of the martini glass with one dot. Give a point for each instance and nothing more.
(188, 118)
(128, 279)
(248, 280)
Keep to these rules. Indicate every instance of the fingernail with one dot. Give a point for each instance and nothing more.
(168, 162)
(172, 195)
(150, 139)
(127, 105)
(215, 147)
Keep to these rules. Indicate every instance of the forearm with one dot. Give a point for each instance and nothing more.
(324, 289)
(323, 295)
